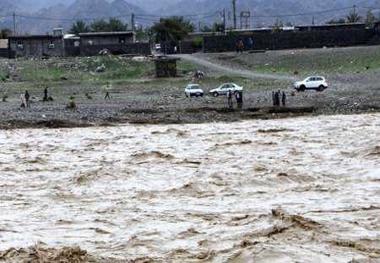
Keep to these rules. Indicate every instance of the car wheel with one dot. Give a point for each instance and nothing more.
(302, 88)
(321, 88)
(215, 94)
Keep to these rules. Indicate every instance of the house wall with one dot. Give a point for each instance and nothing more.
(4, 53)
(106, 40)
(290, 40)
(117, 49)
(36, 47)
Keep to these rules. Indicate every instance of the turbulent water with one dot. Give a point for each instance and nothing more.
(292, 190)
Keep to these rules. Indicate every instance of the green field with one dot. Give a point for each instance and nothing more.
(308, 61)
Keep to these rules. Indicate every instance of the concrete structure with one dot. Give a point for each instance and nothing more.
(4, 52)
(36, 46)
(166, 67)
(3, 43)
(308, 37)
(86, 44)
(115, 42)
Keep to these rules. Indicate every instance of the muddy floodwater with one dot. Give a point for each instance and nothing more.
(292, 190)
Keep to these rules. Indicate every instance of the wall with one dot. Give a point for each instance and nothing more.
(37, 47)
(72, 47)
(290, 40)
(134, 49)
(4, 53)
(106, 40)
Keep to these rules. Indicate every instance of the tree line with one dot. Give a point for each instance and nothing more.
(177, 28)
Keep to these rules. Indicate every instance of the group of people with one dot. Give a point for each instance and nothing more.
(279, 98)
(239, 99)
(240, 46)
(25, 98)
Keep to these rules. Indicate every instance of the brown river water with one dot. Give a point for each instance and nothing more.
(293, 190)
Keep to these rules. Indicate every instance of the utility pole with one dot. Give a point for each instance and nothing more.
(313, 21)
(234, 12)
(14, 23)
(133, 22)
(224, 21)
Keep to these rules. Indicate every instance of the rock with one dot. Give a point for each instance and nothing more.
(100, 69)
(104, 52)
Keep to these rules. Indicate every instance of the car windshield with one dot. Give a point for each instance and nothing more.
(193, 87)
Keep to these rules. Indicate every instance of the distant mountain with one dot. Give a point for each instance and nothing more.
(263, 12)
(61, 15)
(266, 12)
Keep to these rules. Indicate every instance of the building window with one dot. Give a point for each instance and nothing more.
(121, 40)
(20, 45)
(51, 45)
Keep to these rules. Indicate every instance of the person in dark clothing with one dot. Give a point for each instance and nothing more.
(229, 99)
(273, 98)
(239, 99)
(251, 43)
(46, 97)
(277, 98)
(283, 98)
(108, 96)
(27, 97)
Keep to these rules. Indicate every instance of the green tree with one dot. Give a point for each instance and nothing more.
(278, 25)
(116, 25)
(144, 34)
(79, 27)
(353, 17)
(370, 19)
(99, 26)
(218, 27)
(172, 29)
(336, 21)
(5, 33)
(112, 25)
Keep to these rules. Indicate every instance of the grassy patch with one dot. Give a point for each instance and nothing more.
(308, 61)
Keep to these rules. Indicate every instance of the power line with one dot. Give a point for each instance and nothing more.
(156, 18)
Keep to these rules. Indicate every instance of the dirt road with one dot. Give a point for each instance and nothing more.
(232, 71)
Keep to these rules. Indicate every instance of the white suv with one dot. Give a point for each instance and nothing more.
(193, 90)
(224, 88)
(316, 83)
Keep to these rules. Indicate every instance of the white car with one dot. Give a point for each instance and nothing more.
(224, 88)
(193, 90)
(315, 82)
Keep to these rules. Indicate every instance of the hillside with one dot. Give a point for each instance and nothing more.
(61, 15)
(261, 10)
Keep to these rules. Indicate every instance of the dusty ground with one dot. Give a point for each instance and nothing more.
(140, 98)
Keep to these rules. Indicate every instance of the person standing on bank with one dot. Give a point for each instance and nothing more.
(283, 98)
(27, 98)
(239, 99)
(229, 99)
(46, 97)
